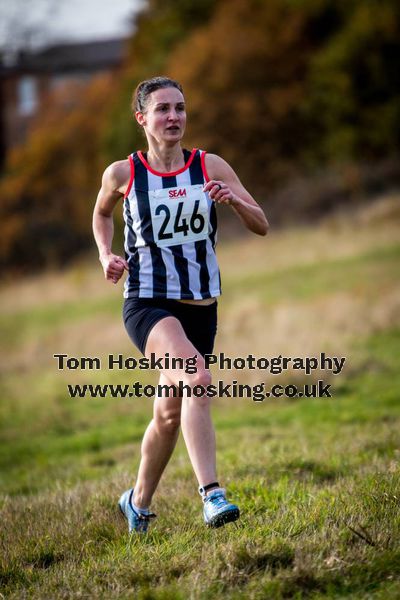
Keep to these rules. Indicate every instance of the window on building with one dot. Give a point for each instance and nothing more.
(27, 96)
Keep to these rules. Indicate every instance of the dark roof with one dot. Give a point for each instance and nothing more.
(71, 57)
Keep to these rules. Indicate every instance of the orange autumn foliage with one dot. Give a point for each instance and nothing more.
(48, 191)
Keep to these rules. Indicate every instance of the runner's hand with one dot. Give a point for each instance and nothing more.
(219, 192)
(113, 267)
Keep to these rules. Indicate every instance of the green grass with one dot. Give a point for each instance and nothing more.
(317, 480)
(361, 274)
(28, 324)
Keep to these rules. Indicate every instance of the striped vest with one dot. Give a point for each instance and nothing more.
(170, 232)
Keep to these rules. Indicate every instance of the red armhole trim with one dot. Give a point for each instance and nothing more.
(203, 166)
(132, 164)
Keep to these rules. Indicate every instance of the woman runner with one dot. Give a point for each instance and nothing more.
(170, 307)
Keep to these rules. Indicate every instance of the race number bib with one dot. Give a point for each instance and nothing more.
(179, 215)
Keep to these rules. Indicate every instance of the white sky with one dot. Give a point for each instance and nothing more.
(37, 22)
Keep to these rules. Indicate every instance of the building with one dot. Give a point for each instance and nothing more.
(26, 82)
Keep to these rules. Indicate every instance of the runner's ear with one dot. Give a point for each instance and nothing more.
(140, 118)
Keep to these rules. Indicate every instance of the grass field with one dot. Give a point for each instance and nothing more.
(317, 479)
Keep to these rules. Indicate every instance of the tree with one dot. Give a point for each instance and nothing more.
(284, 86)
(47, 193)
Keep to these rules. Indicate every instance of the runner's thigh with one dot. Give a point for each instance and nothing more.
(168, 336)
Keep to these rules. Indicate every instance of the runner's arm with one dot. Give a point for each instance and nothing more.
(103, 223)
(225, 187)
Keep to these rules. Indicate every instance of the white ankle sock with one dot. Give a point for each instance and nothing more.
(140, 511)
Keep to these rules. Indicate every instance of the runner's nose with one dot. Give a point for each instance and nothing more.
(173, 115)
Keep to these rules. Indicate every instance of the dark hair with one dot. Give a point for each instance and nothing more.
(145, 88)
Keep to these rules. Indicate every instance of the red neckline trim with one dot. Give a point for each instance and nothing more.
(187, 165)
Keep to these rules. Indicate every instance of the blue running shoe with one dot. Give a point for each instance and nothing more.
(136, 521)
(217, 510)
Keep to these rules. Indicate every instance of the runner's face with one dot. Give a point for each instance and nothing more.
(165, 117)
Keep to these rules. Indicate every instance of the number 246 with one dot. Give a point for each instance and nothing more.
(196, 223)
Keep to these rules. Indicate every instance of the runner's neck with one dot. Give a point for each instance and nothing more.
(166, 160)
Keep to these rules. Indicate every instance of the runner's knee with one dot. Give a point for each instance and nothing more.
(198, 383)
(201, 378)
(167, 420)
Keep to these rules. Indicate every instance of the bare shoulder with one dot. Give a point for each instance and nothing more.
(219, 170)
(217, 167)
(117, 175)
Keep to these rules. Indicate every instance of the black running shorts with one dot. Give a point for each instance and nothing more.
(199, 321)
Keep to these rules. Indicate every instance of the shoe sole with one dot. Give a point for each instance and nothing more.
(226, 517)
